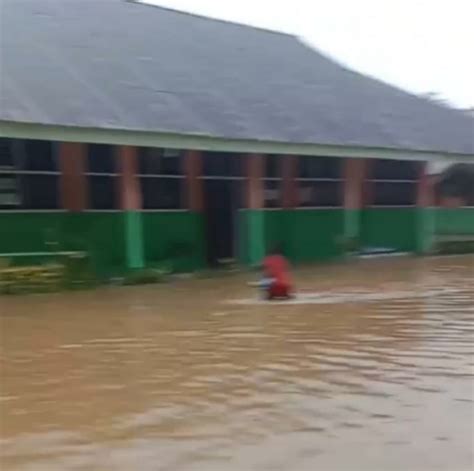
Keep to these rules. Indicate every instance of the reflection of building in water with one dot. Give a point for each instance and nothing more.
(210, 144)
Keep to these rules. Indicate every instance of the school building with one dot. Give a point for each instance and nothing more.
(141, 134)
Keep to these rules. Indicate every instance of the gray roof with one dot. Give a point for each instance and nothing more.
(121, 65)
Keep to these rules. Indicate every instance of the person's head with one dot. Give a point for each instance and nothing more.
(276, 250)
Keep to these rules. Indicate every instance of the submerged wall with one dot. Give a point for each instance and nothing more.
(103, 235)
(394, 228)
(306, 235)
(178, 237)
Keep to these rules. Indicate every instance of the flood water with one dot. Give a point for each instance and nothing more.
(197, 375)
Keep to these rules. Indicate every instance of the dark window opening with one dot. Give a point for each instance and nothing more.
(10, 195)
(306, 194)
(102, 192)
(394, 170)
(161, 193)
(320, 194)
(154, 161)
(101, 159)
(6, 154)
(394, 194)
(40, 191)
(219, 164)
(272, 193)
(23, 184)
(273, 166)
(319, 167)
(39, 156)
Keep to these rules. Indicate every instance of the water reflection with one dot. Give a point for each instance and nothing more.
(177, 377)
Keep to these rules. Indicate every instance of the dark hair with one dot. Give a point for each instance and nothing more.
(277, 249)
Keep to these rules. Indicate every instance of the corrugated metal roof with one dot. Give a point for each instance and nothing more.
(123, 65)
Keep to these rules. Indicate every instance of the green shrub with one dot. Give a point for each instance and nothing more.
(36, 279)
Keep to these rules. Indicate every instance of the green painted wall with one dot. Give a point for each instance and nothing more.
(176, 236)
(305, 235)
(104, 235)
(425, 230)
(390, 227)
(457, 221)
(101, 234)
(133, 233)
(252, 233)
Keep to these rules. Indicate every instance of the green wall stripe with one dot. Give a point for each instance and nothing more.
(456, 221)
(305, 235)
(394, 228)
(133, 234)
(175, 237)
(252, 229)
(104, 235)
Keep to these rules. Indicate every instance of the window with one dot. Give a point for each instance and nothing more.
(29, 176)
(102, 174)
(10, 197)
(272, 193)
(161, 193)
(382, 169)
(223, 175)
(394, 193)
(162, 179)
(394, 182)
(272, 181)
(223, 165)
(319, 181)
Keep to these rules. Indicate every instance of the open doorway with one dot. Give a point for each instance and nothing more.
(222, 184)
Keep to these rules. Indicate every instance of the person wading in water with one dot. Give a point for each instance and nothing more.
(276, 283)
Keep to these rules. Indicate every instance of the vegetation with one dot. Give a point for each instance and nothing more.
(36, 279)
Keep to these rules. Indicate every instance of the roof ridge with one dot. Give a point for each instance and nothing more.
(145, 3)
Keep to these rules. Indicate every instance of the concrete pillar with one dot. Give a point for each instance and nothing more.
(193, 191)
(289, 170)
(255, 175)
(130, 202)
(354, 196)
(73, 184)
(425, 211)
(252, 224)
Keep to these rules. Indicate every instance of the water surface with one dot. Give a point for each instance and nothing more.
(198, 375)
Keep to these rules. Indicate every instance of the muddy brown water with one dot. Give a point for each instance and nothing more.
(197, 375)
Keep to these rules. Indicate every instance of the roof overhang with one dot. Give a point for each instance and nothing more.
(17, 130)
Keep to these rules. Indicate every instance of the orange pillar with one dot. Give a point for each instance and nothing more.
(354, 196)
(130, 197)
(255, 174)
(355, 185)
(130, 200)
(425, 218)
(252, 241)
(73, 181)
(289, 167)
(194, 189)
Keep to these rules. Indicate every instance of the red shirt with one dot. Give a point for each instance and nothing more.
(277, 267)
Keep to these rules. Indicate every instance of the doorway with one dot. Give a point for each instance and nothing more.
(222, 194)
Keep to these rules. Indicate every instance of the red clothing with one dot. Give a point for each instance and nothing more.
(277, 268)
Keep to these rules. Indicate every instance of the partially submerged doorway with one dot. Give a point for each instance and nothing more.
(222, 191)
